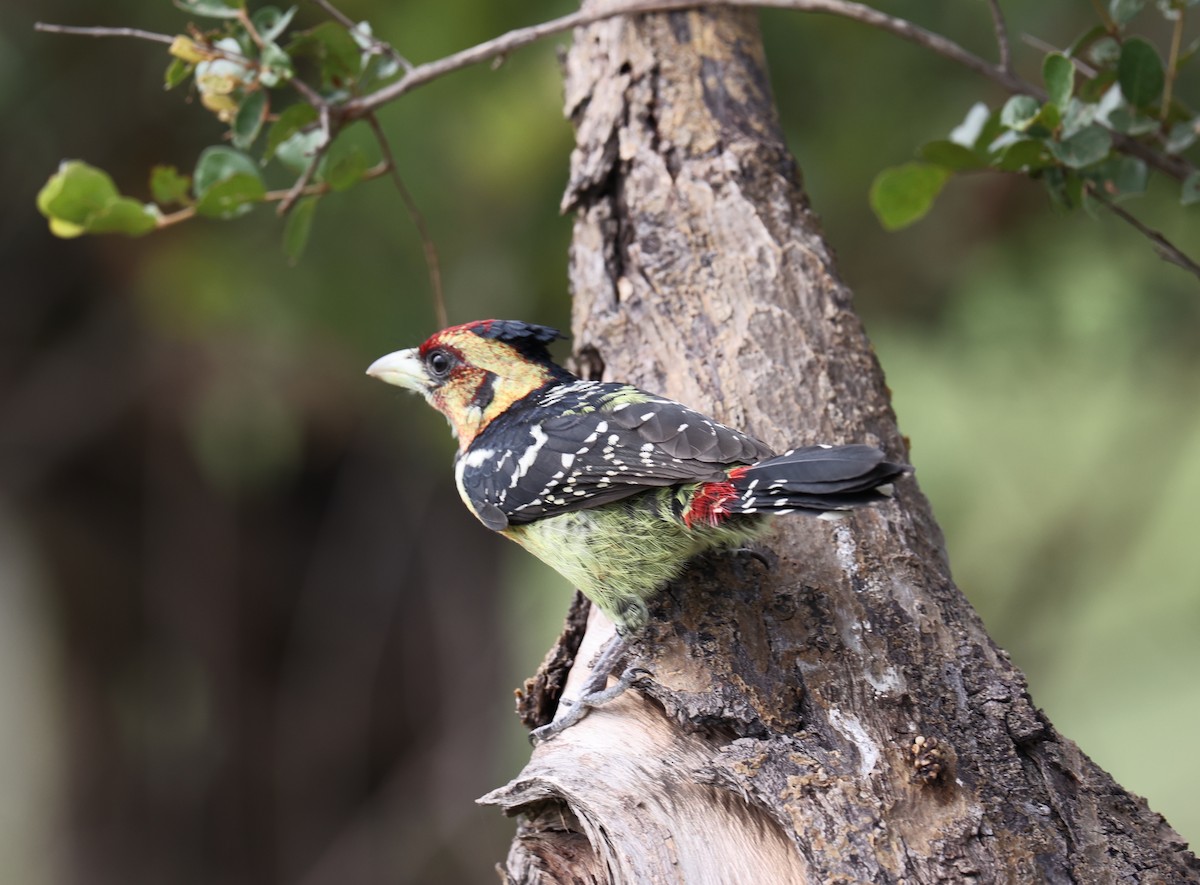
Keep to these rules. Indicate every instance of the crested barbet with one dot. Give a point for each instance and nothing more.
(615, 488)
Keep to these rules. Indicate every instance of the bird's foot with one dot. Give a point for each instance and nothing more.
(587, 701)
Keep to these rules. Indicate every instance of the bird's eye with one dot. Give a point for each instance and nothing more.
(439, 363)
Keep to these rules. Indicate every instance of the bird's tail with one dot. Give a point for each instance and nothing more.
(814, 480)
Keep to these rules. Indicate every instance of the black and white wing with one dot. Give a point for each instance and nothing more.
(587, 443)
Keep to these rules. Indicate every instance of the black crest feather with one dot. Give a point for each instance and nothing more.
(529, 338)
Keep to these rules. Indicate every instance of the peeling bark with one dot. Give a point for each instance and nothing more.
(834, 710)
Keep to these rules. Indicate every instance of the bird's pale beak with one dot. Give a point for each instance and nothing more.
(402, 368)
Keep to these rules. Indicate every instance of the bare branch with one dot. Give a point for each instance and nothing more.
(136, 33)
(433, 265)
(1001, 35)
(1166, 250)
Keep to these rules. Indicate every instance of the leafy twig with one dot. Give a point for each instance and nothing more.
(428, 247)
(296, 191)
(497, 47)
(516, 39)
(312, 190)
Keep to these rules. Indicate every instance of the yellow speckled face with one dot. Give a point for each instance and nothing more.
(482, 378)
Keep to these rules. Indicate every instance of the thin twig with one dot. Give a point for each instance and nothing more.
(296, 191)
(377, 45)
(1105, 18)
(1172, 64)
(136, 33)
(1166, 250)
(428, 247)
(1042, 46)
(244, 17)
(1001, 35)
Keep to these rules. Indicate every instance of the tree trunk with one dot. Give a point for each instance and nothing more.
(833, 711)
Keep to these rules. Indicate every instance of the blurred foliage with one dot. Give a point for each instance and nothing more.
(1108, 92)
(271, 632)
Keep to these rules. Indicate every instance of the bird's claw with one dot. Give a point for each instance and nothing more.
(753, 554)
(579, 707)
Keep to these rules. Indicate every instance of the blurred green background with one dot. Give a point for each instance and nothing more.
(247, 631)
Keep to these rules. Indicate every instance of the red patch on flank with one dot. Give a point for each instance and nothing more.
(708, 504)
(739, 472)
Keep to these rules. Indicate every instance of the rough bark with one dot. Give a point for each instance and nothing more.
(834, 711)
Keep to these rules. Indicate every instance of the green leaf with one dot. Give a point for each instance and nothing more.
(1086, 39)
(1064, 186)
(1058, 72)
(904, 194)
(124, 215)
(1121, 177)
(1140, 72)
(80, 199)
(1104, 51)
(1049, 118)
(1019, 112)
(219, 164)
(298, 227)
(376, 65)
(291, 121)
(1077, 115)
(333, 48)
(297, 151)
(276, 66)
(231, 197)
(76, 189)
(1026, 155)
(168, 185)
(1129, 121)
(1171, 10)
(270, 22)
(177, 71)
(344, 165)
(1123, 10)
(1087, 146)
(1095, 89)
(951, 155)
(211, 8)
(1190, 192)
(249, 119)
(1183, 136)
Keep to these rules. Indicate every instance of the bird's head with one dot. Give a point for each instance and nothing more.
(474, 372)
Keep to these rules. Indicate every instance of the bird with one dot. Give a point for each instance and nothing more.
(615, 488)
